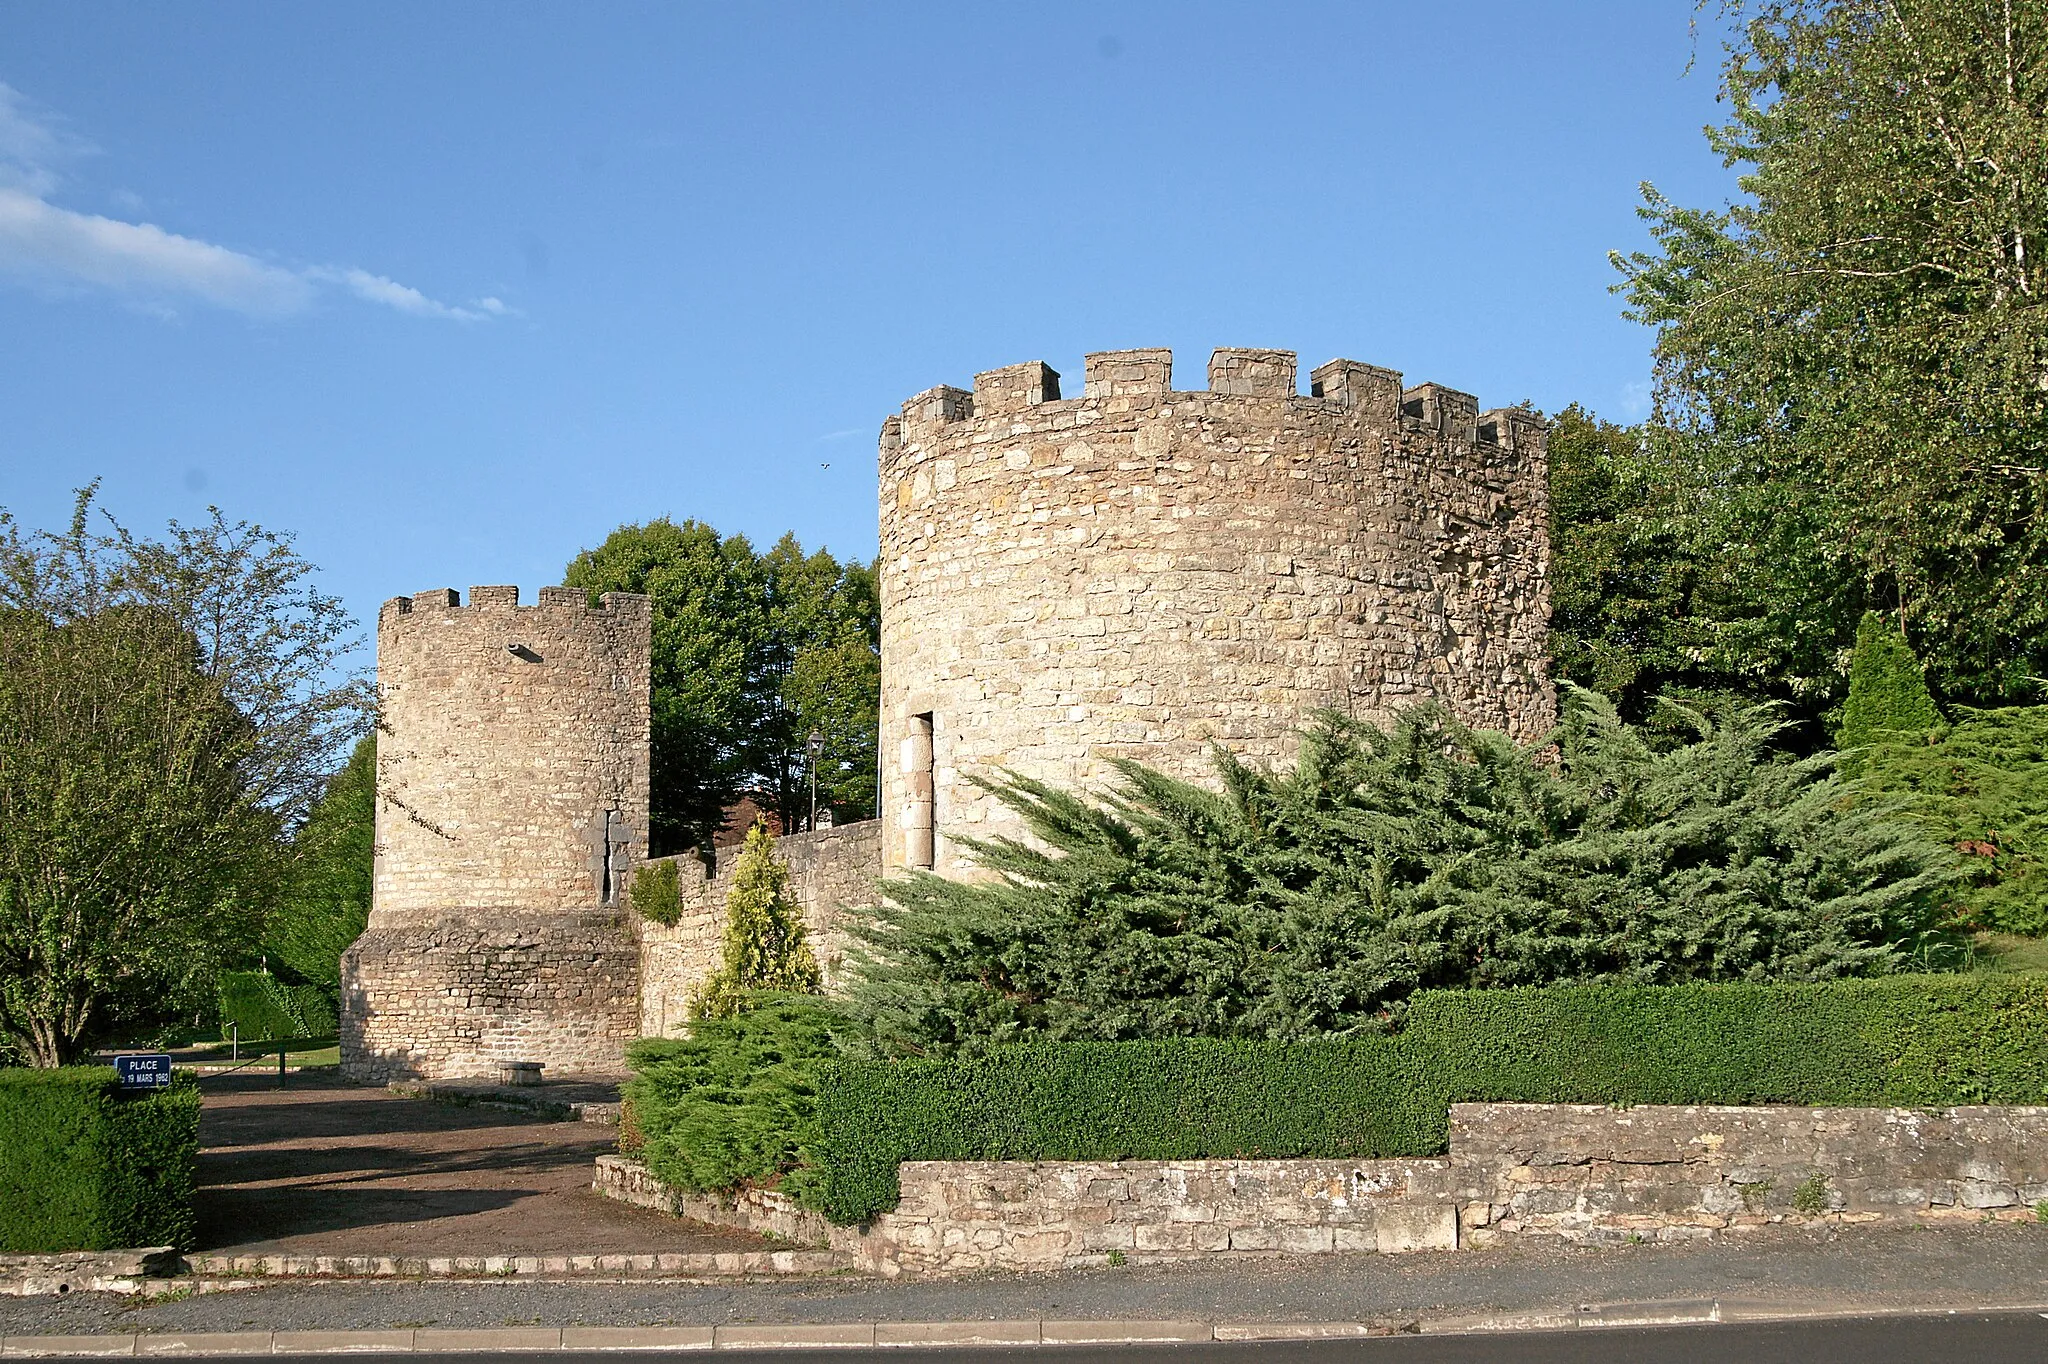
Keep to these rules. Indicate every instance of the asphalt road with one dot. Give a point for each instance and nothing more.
(1984, 1339)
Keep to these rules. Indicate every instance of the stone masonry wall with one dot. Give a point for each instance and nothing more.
(511, 802)
(450, 996)
(831, 872)
(1580, 1173)
(1588, 1172)
(1141, 572)
(495, 767)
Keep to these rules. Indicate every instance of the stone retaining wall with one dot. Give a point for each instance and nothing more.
(1589, 1172)
(1577, 1172)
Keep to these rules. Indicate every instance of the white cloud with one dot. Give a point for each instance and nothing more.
(38, 238)
(142, 262)
(389, 292)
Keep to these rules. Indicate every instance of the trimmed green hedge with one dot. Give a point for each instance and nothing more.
(1913, 1041)
(83, 1167)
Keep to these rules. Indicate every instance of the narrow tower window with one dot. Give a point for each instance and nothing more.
(608, 886)
(918, 837)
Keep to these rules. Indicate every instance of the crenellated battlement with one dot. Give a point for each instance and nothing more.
(1127, 380)
(503, 598)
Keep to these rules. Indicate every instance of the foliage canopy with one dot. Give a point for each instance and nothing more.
(751, 653)
(1857, 351)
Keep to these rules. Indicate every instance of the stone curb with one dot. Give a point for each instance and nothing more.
(596, 1112)
(911, 1334)
(706, 1265)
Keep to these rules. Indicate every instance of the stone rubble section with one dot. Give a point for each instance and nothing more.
(1582, 1173)
(512, 779)
(831, 871)
(1140, 572)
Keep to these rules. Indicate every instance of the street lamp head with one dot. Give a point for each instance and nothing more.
(816, 743)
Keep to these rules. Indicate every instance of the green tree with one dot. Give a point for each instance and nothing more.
(751, 653)
(324, 904)
(132, 850)
(1857, 348)
(1621, 577)
(1888, 697)
(763, 946)
(1666, 580)
(1428, 855)
(167, 709)
(709, 623)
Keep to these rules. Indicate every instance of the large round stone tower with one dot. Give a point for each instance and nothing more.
(511, 804)
(1141, 572)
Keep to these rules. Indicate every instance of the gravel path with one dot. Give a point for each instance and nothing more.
(325, 1168)
(1990, 1265)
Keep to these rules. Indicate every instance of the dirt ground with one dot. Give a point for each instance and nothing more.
(325, 1168)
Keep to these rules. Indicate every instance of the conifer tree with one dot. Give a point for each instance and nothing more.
(1888, 697)
(765, 946)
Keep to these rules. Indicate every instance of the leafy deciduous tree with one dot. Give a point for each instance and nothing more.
(1857, 351)
(751, 652)
(324, 903)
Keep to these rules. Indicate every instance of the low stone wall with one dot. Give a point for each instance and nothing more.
(1577, 1172)
(449, 996)
(831, 872)
(1588, 1172)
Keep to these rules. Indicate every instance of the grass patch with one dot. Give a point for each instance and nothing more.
(2010, 952)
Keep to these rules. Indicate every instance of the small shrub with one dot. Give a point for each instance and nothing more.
(655, 894)
(735, 1103)
(2041, 1211)
(84, 1167)
(1811, 1197)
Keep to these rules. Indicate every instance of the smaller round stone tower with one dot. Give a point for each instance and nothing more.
(511, 805)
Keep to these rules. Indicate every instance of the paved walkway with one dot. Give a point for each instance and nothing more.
(325, 1168)
(2002, 1265)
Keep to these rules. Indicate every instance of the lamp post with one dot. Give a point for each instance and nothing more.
(816, 745)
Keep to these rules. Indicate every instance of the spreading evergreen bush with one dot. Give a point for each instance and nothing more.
(85, 1167)
(1912, 1041)
(1980, 785)
(735, 1102)
(1429, 855)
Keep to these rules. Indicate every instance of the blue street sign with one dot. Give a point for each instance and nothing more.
(143, 1072)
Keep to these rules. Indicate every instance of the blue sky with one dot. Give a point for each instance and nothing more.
(452, 290)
